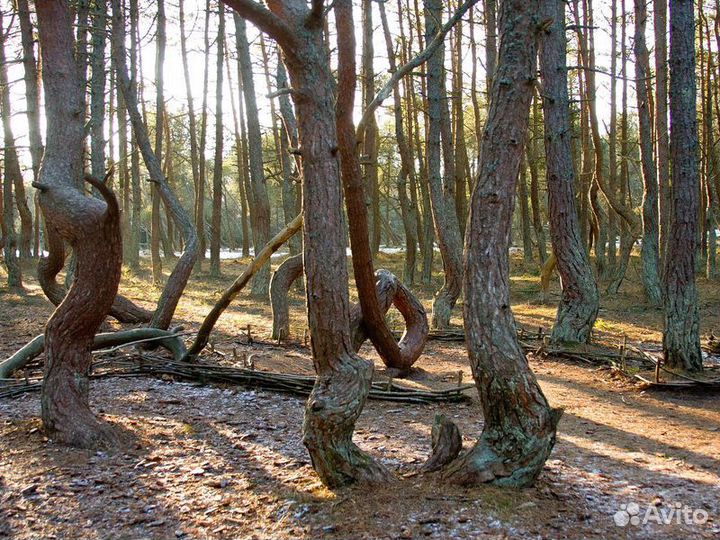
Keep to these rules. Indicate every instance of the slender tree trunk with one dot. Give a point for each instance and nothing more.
(288, 141)
(181, 273)
(441, 192)
(32, 99)
(202, 171)
(681, 338)
(241, 165)
(260, 201)
(532, 158)
(408, 207)
(196, 160)
(217, 167)
(97, 89)
(525, 214)
(371, 135)
(519, 426)
(579, 305)
(650, 228)
(135, 183)
(13, 176)
(661, 121)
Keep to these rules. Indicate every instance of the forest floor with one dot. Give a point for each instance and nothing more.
(228, 462)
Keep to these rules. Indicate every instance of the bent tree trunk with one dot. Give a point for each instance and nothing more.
(90, 226)
(681, 339)
(389, 291)
(280, 283)
(519, 430)
(260, 260)
(355, 196)
(343, 378)
(181, 273)
(579, 305)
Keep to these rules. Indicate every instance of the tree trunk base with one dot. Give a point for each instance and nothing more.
(67, 417)
(330, 414)
(505, 455)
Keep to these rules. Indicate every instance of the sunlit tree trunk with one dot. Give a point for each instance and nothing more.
(519, 426)
(681, 338)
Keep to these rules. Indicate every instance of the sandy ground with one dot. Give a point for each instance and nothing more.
(228, 462)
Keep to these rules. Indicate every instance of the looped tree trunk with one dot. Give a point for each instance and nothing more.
(391, 291)
(282, 280)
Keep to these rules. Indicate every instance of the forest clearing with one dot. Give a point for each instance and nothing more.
(359, 269)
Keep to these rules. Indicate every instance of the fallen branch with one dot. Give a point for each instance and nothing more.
(295, 384)
(167, 339)
(231, 292)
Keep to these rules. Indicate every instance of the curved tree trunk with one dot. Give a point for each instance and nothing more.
(579, 306)
(280, 283)
(519, 429)
(262, 258)
(343, 378)
(355, 197)
(181, 273)
(91, 227)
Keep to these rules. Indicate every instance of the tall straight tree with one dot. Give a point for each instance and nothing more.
(441, 190)
(181, 273)
(661, 120)
(195, 158)
(650, 225)
(519, 429)
(217, 165)
(97, 89)
(12, 174)
(259, 200)
(408, 205)
(160, 43)
(579, 305)
(681, 338)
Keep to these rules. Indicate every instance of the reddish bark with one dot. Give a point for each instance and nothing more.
(91, 227)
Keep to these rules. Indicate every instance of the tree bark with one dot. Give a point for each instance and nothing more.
(195, 158)
(343, 377)
(92, 229)
(681, 337)
(650, 226)
(519, 429)
(282, 279)
(13, 175)
(661, 121)
(579, 305)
